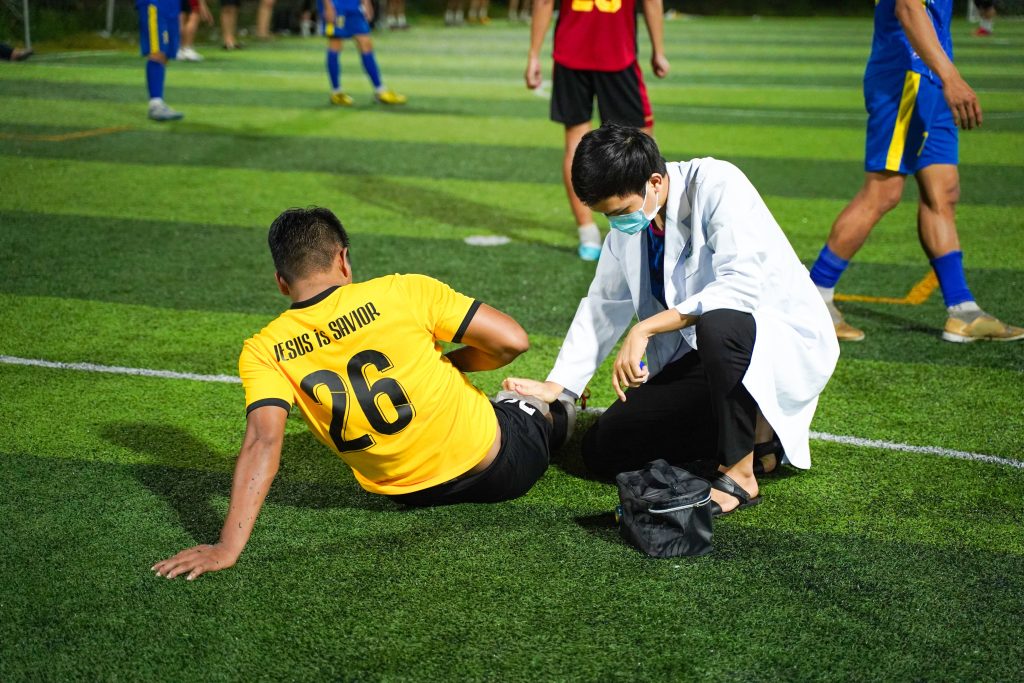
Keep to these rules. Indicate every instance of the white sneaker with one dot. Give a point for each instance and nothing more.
(188, 54)
(159, 111)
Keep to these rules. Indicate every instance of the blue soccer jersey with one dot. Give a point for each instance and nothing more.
(890, 49)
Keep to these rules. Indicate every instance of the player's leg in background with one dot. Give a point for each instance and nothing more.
(987, 14)
(333, 64)
(453, 14)
(158, 38)
(513, 10)
(229, 24)
(189, 27)
(263, 16)
(880, 193)
(478, 12)
(589, 235)
(939, 186)
(382, 93)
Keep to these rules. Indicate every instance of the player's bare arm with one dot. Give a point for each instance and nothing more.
(626, 371)
(254, 472)
(543, 10)
(962, 100)
(204, 13)
(492, 340)
(654, 16)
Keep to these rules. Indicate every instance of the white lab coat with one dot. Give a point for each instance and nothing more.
(723, 249)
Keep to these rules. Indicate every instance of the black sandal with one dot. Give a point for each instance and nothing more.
(763, 450)
(725, 484)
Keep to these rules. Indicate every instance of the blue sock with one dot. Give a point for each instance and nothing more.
(828, 268)
(370, 66)
(949, 269)
(334, 69)
(155, 78)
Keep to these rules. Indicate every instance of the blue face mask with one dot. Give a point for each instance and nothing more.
(635, 221)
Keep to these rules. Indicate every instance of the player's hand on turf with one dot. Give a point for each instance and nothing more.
(626, 371)
(660, 65)
(545, 391)
(962, 102)
(196, 561)
(532, 75)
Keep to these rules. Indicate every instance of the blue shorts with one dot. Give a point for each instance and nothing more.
(158, 31)
(910, 125)
(347, 24)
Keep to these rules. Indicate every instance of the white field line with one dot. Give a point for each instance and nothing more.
(230, 379)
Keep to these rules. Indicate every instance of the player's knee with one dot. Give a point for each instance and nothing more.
(886, 197)
(943, 197)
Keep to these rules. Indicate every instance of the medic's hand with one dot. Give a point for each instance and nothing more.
(626, 371)
(532, 75)
(196, 561)
(545, 391)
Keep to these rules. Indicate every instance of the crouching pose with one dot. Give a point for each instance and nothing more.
(363, 364)
(737, 340)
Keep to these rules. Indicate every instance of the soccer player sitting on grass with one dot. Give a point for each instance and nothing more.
(363, 364)
(737, 340)
(158, 42)
(350, 19)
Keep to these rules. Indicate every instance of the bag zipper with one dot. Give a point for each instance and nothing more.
(682, 507)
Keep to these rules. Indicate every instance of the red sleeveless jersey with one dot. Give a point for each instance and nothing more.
(596, 35)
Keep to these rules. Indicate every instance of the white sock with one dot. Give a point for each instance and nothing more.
(962, 308)
(590, 234)
(380, 89)
(827, 293)
(154, 101)
(335, 91)
(986, 24)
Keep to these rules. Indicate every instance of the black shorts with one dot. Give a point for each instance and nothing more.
(984, 4)
(621, 96)
(521, 460)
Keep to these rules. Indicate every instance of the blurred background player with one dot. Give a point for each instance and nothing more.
(350, 19)
(264, 13)
(396, 15)
(453, 13)
(191, 12)
(13, 54)
(519, 10)
(306, 24)
(478, 11)
(595, 55)
(229, 24)
(915, 99)
(158, 42)
(987, 15)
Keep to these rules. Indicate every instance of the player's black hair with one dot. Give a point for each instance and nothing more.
(613, 161)
(304, 241)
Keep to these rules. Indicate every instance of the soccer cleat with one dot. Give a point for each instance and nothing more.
(188, 54)
(341, 99)
(983, 328)
(982, 32)
(589, 252)
(389, 96)
(844, 330)
(159, 111)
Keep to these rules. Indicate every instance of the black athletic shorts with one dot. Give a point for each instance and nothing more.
(984, 4)
(521, 460)
(621, 97)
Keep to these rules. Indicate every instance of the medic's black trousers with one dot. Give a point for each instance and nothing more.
(696, 408)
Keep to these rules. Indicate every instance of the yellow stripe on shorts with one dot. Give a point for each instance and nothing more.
(154, 33)
(899, 133)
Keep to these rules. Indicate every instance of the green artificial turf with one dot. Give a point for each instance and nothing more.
(144, 246)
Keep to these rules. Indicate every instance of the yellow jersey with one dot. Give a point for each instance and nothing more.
(363, 363)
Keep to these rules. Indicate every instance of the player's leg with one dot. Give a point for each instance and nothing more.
(382, 93)
(229, 24)
(895, 137)
(189, 27)
(572, 105)
(158, 38)
(264, 13)
(333, 63)
(939, 186)
(453, 14)
(987, 11)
